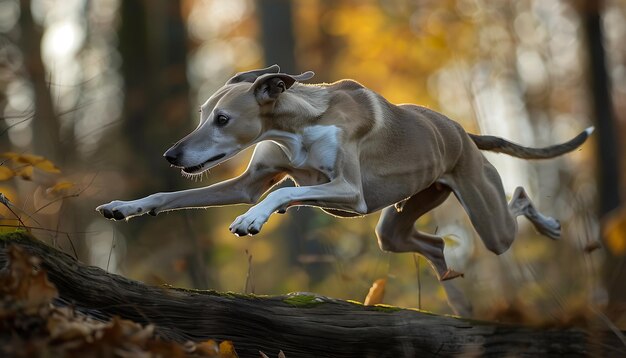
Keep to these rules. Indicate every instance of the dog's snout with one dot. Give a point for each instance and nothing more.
(172, 155)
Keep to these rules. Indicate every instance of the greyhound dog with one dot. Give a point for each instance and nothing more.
(350, 153)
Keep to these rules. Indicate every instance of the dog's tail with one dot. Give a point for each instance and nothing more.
(500, 145)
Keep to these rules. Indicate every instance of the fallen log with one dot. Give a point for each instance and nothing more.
(302, 324)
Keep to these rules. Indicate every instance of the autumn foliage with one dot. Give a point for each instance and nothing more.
(32, 325)
(24, 165)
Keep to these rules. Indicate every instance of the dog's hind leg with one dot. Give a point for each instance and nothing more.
(478, 186)
(396, 231)
(520, 204)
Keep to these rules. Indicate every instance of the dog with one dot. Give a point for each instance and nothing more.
(350, 152)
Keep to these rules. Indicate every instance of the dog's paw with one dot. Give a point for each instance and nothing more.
(124, 210)
(249, 223)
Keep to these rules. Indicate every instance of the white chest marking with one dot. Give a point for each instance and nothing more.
(322, 143)
(315, 148)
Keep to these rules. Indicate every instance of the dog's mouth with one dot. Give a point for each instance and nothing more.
(200, 168)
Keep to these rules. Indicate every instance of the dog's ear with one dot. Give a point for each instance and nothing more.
(269, 86)
(251, 76)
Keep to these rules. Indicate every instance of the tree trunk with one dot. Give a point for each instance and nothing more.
(302, 325)
(607, 149)
(600, 90)
(278, 40)
(45, 125)
(277, 34)
(153, 47)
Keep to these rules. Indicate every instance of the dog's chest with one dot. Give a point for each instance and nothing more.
(313, 154)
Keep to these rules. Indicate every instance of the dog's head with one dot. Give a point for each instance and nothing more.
(232, 119)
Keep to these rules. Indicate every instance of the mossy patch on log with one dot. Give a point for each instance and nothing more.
(303, 300)
(386, 308)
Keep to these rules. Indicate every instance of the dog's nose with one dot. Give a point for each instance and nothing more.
(171, 155)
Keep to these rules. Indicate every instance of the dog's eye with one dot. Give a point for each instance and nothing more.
(221, 120)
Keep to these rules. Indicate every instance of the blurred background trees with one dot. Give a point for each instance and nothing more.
(102, 88)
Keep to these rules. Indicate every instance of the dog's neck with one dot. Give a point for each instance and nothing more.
(299, 105)
(296, 110)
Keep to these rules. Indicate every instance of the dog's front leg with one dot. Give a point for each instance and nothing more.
(245, 189)
(337, 194)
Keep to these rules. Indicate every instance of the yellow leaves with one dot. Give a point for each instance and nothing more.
(6, 173)
(32, 160)
(10, 155)
(60, 187)
(376, 293)
(614, 231)
(24, 165)
(25, 173)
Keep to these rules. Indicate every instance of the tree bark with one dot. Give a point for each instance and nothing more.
(302, 325)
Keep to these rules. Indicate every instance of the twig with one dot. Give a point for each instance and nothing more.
(32, 115)
(68, 196)
(72, 246)
(618, 333)
(51, 230)
(248, 274)
(416, 260)
(111, 251)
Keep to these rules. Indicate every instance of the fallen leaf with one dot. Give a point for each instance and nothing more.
(376, 293)
(227, 350)
(208, 348)
(62, 329)
(25, 283)
(39, 329)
